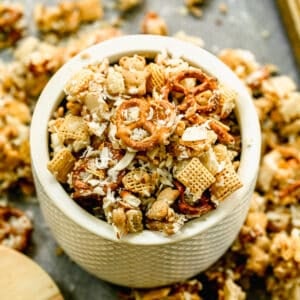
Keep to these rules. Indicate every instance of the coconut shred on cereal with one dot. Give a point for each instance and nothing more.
(146, 143)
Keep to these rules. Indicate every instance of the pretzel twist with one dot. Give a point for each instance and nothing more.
(189, 103)
(155, 117)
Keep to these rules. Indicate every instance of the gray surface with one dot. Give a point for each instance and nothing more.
(242, 27)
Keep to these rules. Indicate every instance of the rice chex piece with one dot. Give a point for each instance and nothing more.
(138, 181)
(229, 97)
(61, 164)
(195, 177)
(227, 181)
(157, 77)
(74, 130)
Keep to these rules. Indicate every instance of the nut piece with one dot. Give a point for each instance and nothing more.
(160, 209)
(195, 177)
(62, 164)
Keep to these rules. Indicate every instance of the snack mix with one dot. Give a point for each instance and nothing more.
(267, 250)
(146, 143)
(11, 24)
(15, 228)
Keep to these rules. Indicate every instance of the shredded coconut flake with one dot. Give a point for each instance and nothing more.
(195, 133)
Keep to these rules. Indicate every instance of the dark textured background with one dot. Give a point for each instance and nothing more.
(245, 26)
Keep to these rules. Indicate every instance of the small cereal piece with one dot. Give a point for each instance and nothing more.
(79, 83)
(290, 108)
(134, 73)
(228, 98)
(134, 220)
(170, 225)
(127, 221)
(90, 10)
(195, 177)
(227, 181)
(135, 82)
(140, 182)
(118, 219)
(136, 62)
(153, 24)
(157, 78)
(115, 82)
(15, 228)
(74, 130)
(62, 164)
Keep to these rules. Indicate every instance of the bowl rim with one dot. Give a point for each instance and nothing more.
(145, 45)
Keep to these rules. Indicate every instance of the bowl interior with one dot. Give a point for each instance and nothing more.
(147, 45)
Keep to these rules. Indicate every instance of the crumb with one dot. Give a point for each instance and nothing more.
(183, 11)
(127, 5)
(189, 38)
(85, 55)
(152, 23)
(59, 251)
(218, 22)
(223, 8)
(194, 7)
(265, 34)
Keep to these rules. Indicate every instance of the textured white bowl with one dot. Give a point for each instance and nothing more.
(146, 259)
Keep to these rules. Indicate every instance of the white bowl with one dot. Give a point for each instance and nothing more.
(145, 259)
